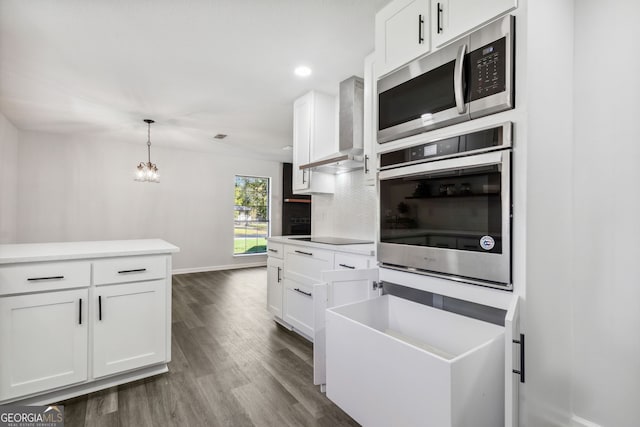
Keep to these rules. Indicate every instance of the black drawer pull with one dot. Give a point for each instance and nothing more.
(439, 24)
(521, 371)
(347, 266)
(304, 253)
(137, 270)
(34, 279)
(273, 250)
(99, 308)
(279, 278)
(303, 292)
(80, 313)
(420, 38)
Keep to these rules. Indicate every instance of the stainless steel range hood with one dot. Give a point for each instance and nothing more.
(350, 141)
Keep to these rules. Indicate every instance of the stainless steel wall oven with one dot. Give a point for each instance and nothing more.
(445, 207)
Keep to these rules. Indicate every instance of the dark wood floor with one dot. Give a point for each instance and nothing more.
(231, 365)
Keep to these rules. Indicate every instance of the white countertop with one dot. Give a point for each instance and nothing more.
(31, 252)
(367, 249)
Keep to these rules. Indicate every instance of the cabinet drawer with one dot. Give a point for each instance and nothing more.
(305, 264)
(44, 276)
(275, 250)
(129, 269)
(350, 262)
(298, 306)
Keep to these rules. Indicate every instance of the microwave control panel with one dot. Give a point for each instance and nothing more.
(487, 68)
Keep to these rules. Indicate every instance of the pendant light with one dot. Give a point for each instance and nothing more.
(148, 171)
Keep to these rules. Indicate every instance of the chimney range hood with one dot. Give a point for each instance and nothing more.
(350, 123)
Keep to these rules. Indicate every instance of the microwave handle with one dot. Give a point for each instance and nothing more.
(458, 82)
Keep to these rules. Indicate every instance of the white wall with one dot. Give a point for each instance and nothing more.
(71, 188)
(349, 212)
(606, 204)
(8, 180)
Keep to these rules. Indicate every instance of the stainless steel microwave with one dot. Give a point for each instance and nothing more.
(445, 208)
(470, 78)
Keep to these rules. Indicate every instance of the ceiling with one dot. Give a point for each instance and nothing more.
(199, 68)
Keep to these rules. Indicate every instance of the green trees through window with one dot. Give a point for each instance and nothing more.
(251, 215)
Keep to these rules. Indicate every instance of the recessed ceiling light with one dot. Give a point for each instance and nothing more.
(220, 136)
(302, 71)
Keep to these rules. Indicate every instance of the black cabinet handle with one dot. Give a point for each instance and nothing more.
(521, 371)
(420, 24)
(137, 270)
(304, 253)
(100, 308)
(34, 279)
(304, 171)
(303, 292)
(366, 163)
(439, 16)
(273, 250)
(347, 266)
(80, 313)
(279, 278)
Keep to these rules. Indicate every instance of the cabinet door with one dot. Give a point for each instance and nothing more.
(339, 287)
(129, 326)
(370, 130)
(43, 342)
(402, 33)
(453, 18)
(298, 306)
(512, 361)
(274, 286)
(302, 114)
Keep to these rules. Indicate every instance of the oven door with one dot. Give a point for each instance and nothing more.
(425, 94)
(450, 217)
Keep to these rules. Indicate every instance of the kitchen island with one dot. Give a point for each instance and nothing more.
(76, 317)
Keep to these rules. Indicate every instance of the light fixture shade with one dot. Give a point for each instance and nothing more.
(147, 172)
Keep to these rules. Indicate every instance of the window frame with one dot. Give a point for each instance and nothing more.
(269, 219)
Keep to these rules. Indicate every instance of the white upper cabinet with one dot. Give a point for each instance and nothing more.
(370, 120)
(402, 33)
(453, 18)
(314, 136)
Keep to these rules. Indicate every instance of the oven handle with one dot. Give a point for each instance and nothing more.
(484, 159)
(458, 80)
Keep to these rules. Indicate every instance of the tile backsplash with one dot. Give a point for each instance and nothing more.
(349, 212)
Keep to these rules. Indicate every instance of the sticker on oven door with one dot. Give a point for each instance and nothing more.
(487, 243)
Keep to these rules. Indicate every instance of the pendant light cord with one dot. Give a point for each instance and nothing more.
(149, 142)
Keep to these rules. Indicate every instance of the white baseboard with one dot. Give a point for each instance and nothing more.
(581, 422)
(219, 267)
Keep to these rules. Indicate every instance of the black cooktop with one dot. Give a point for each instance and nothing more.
(332, 240)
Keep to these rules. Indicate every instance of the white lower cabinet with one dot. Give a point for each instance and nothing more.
(274, 286)
(391, 361)
(129, 327)
(298, 306)
(52, 324)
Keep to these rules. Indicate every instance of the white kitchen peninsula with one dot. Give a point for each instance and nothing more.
(77, 317)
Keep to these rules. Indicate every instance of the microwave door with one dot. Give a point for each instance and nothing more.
(426, 94)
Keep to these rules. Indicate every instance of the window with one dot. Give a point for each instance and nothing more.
(251, 216)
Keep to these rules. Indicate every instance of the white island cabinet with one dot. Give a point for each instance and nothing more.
(78, 317)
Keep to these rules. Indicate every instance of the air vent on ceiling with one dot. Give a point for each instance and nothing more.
(220, 136)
